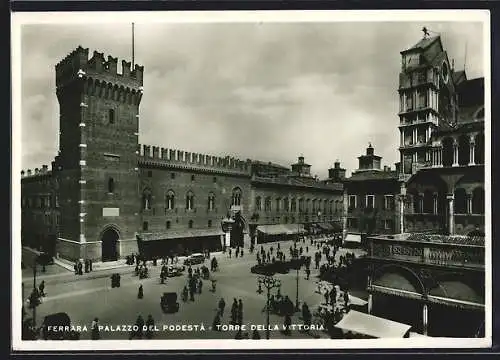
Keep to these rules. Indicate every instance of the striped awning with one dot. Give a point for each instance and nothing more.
(180, 234)
(372, 326)
(281, 229)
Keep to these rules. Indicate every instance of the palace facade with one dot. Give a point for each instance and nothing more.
(107, 196)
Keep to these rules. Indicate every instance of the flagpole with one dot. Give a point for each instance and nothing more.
(133, 47)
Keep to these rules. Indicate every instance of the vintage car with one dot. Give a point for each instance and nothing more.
(174, 270)
(58, 327)
(169, 302)
(194, 259)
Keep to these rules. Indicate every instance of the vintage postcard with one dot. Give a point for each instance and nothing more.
(205, 180)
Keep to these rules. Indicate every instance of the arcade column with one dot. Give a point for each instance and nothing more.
(425, 318)
(227, 225)
(451, 215)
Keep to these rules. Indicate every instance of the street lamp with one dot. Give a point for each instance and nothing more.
(269, 283)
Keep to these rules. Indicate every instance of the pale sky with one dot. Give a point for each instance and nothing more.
(264, 91)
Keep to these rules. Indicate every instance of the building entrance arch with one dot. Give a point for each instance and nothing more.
(109, 244)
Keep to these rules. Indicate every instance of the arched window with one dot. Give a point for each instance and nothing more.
(209, 223)
(189, 200)
(211, 201)
(267, 204)
(334, 207)
(416, 203)
(170, 200)
(236, 197)
(447, 151)
(308, 205)
(325, 206)
(168, 225)
(145, 226)
(460, 201)
(463, 150)
(111, 115)
(479, 149)
(293, 205)
(258, 203)
(285, 205)
(278, 202)
(301, 205)
(146, 199)
(190, 224)
(478, 206)
(111, 185)
(428, 202)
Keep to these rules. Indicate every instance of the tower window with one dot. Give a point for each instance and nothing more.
(111, 185)
(192, 177)
(111, 116)
(215, 179)
(145, 226)
(172, 175)
(209, 223)
(150, 173)
(167, 225)
(190, 224)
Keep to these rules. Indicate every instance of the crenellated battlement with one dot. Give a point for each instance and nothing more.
(36, 172)
(227, 163)
(78, 65)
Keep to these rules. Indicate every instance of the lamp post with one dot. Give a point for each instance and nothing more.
(269, 283)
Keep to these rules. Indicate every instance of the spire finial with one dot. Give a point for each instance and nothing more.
(426, 32)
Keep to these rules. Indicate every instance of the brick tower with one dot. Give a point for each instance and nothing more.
(97, 161)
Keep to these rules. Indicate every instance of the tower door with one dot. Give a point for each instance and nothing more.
(109, 243)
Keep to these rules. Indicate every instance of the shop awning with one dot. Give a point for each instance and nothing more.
(373, 326)
(180, 234)
(281, 229)
(353, 238)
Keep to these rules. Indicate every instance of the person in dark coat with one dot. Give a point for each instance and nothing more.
(41, 288)
(287, 323)
(234, 311)
(80, 268)
(327, 296)
(94, 335)
(222, 305)
(308, 273)
(150, 324)
(240, 312)
(230, 252)
(140, 324)
(140, 293)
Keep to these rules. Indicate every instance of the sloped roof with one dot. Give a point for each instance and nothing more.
(258, 162)
(422, 44)
(373, 175)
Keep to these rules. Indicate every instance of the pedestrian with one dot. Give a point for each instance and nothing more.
(237, 252)
(75, 266)
(241, 255)
(308, 273)
(41, 288)
(230, 252)
(327, 295)
(216, 322)
(222, 305)
(87, 268)
(94, 335)
(287, 324)
(200, 285)
(150, 324)
(255, 335)
(140, 324)
(240, 312)
(140, 293)
(234, 311)
(307, 249)
(80, 268)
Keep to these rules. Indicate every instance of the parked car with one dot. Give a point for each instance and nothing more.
(173, 271)
(169, 302)
(195, 259)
